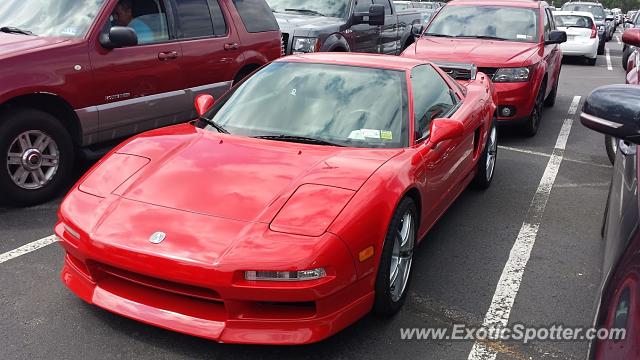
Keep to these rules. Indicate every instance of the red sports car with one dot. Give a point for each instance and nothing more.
(290, 208)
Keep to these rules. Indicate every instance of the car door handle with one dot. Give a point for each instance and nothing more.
(231, 46)
(169, 55)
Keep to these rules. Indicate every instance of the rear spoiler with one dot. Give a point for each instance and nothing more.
(459, 71)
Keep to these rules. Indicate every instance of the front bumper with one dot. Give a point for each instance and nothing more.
(216, 302)
(520, 96)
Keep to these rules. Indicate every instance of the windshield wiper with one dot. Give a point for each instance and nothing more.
(15, 30)
(488, 37)
(439, 35)
(214, 124)
(296, 138)
(306, 11)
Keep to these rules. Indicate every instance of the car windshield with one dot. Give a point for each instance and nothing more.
(331, 8)
(573, 21)
(343, 105)
(596, 10)
(499, 22)
(68, 18)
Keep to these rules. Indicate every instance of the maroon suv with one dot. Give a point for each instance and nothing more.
(79, 74)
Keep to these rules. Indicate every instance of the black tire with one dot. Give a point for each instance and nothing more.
(625, 56)
(591, 62)
(610, 143)
(18, 121)
(384, 305)
(601, 48)
(484, 172)
(532, 125)
(550, 101)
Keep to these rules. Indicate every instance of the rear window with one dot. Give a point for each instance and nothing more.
(256, 15)
(573, 21)
(596, 9)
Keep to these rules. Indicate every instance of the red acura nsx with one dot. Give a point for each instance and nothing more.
(290, 208)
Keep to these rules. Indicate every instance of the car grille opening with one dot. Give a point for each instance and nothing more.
(489, 71)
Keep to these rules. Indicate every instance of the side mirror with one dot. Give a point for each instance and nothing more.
(631, 36)
(376, 16)
(444, 129)
(416, 30)
(614, 110)
(119, 36)
(204, 102)
(556, 37)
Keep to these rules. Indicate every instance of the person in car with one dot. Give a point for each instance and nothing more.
(123, 16)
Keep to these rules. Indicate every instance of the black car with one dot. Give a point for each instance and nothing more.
(615, 111)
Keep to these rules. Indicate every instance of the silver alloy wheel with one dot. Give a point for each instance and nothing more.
(401, 257)
(33, 159)
(614, 144)
(492, 151)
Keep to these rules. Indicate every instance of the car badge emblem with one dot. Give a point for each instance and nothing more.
(157, 237)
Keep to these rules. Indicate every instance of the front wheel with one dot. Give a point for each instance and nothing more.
(487, 162)
(395, 261)
(533, 122)
(37, 156)
(611, 144)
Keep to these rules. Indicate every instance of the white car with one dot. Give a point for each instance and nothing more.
(582, 34)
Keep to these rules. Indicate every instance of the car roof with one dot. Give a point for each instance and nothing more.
(582, 2)
(533, 4)
(377, 61)
(581, 13)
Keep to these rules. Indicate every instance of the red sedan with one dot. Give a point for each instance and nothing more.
(290, 209)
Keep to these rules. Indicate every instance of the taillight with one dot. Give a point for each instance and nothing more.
(594, 31)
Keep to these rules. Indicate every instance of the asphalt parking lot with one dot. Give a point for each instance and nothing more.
(456, 272)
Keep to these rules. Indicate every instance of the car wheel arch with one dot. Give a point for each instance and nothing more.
(52, 104)
(335, 43)
(245, 71)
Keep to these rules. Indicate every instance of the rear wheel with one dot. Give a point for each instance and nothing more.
(530, 128)
(591, 62)
(394, 271)
(611, 144)
(37, 156)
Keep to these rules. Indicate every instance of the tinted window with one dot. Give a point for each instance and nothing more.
(328, 102)
(387, 5)
(576, 21)
(332, 8)
(147, 17)
(547, 26)
(363, 5)
(431, 98)
(195, 18)
(256, 15)
(502, 22)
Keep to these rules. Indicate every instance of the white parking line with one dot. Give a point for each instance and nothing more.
(25, 249)
(618, 40)
(538, 153)
(609, 67)
(509, 284)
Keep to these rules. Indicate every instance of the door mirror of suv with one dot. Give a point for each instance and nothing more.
(614, 110)
(375, 16)
(204, 102)
(631, 36)
(119, 36)
(444, 129)
(416, 30)
(556, 37)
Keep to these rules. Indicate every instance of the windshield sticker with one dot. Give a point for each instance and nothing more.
(369, 133)
(69, 31)
(293, 92)
(386, 135)
(356, 135)
(524, 37)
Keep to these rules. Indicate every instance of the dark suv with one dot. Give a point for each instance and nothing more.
(598, 14)
(77, 74)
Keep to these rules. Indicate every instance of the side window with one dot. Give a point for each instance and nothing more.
(363, 6)
(387, 6)
(196, 19)
(552, 21)
(147, 17)
(432, 98)
(547, 26)
(256, 15)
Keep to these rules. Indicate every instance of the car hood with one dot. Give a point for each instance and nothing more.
(484, 53)
(239, 178)
(290, 22)
(12, 44)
